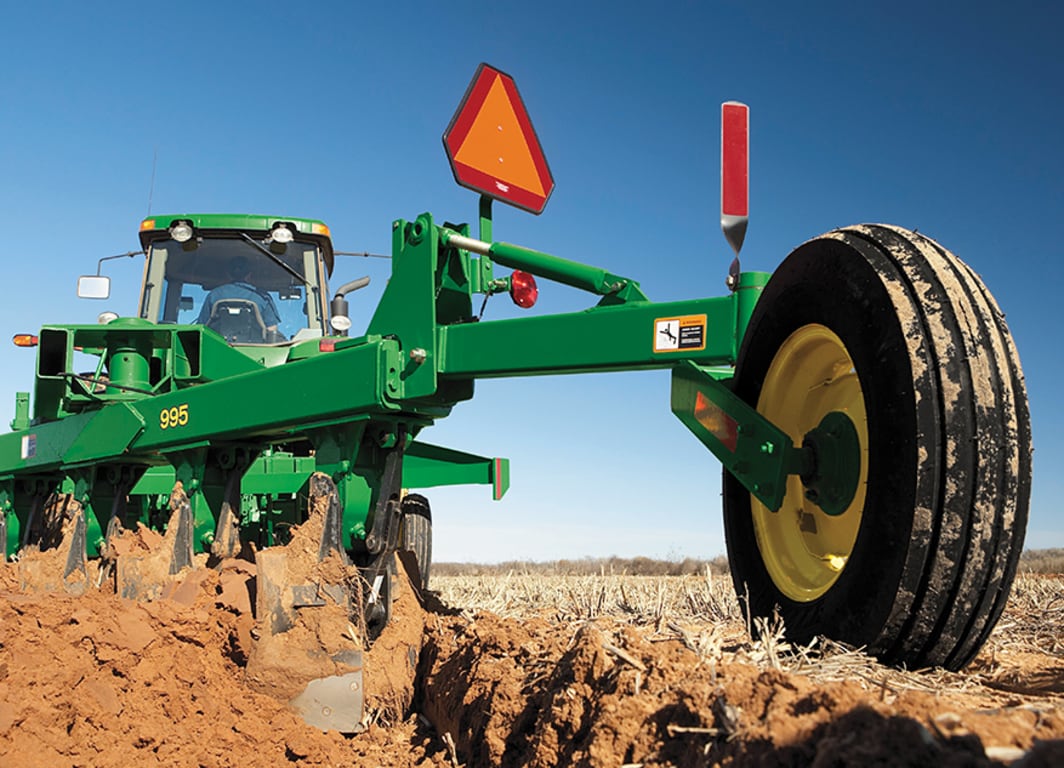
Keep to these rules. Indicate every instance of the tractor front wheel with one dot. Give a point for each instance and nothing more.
(887, 327)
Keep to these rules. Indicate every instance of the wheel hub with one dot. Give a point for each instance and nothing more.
(812, 392)
(834, 463)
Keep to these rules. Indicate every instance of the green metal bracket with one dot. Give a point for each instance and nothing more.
(347, 453)
(190, 467)
(427, 466)
(110, 431)
(747, 292)
(485, 218)
(79, 484)
(22, 411)
(760, 455)
(10, 530)
(755, 451)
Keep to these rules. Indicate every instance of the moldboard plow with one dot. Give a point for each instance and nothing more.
(866, 402)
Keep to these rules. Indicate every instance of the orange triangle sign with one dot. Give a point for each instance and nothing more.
(492, 146)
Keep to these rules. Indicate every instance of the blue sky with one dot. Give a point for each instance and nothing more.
(912, 115)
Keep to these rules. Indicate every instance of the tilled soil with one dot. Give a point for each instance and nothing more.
(98, 681)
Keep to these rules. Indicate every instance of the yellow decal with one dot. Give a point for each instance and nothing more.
(686, 333)
(175, 416)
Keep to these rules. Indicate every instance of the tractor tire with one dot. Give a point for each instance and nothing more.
(416, 533)
(890, 328)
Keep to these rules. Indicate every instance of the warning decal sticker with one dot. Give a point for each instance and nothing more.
(680, 334)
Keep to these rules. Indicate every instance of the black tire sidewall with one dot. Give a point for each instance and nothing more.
(827, 283)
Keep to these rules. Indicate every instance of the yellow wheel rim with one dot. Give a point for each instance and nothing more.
(803, 548)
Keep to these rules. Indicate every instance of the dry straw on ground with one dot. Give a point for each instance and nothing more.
(703, 611)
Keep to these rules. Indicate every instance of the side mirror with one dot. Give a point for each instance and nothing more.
(339, 321)
(94, 287)
(338, 307)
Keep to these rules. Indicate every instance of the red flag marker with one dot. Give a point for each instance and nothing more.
(734, 172)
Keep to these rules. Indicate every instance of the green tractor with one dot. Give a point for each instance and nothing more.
(866, 402)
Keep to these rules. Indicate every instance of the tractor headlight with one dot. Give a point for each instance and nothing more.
(181, 232)
(281, 234)
(280, 237)
(105, 317)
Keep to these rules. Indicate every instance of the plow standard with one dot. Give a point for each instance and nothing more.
(866, 402)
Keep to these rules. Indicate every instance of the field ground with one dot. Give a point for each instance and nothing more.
(521, 668)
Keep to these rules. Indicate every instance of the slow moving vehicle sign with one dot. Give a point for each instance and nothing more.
(493, 148)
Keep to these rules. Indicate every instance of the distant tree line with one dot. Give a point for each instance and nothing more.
(1042, 561)
(589, 566)
(1031, 561)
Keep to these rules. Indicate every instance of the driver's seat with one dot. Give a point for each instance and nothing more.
(238, 320)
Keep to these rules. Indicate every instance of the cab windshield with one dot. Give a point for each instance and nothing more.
(249, 292)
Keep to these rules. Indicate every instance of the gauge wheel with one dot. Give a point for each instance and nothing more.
(416, 533)
(890, 329)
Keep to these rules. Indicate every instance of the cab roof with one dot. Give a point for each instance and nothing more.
(156, 228)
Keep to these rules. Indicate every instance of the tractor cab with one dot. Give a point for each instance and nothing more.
(255, 280)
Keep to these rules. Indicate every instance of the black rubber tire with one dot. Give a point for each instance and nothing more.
(416, 533)
(949, 446)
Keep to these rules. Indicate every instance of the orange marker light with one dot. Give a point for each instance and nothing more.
(147, 224)
(25, 340)
(320, 229)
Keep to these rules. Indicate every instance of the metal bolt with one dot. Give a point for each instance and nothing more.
(354, 686)
(326, 711)
(768, 448)
(418, 355)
